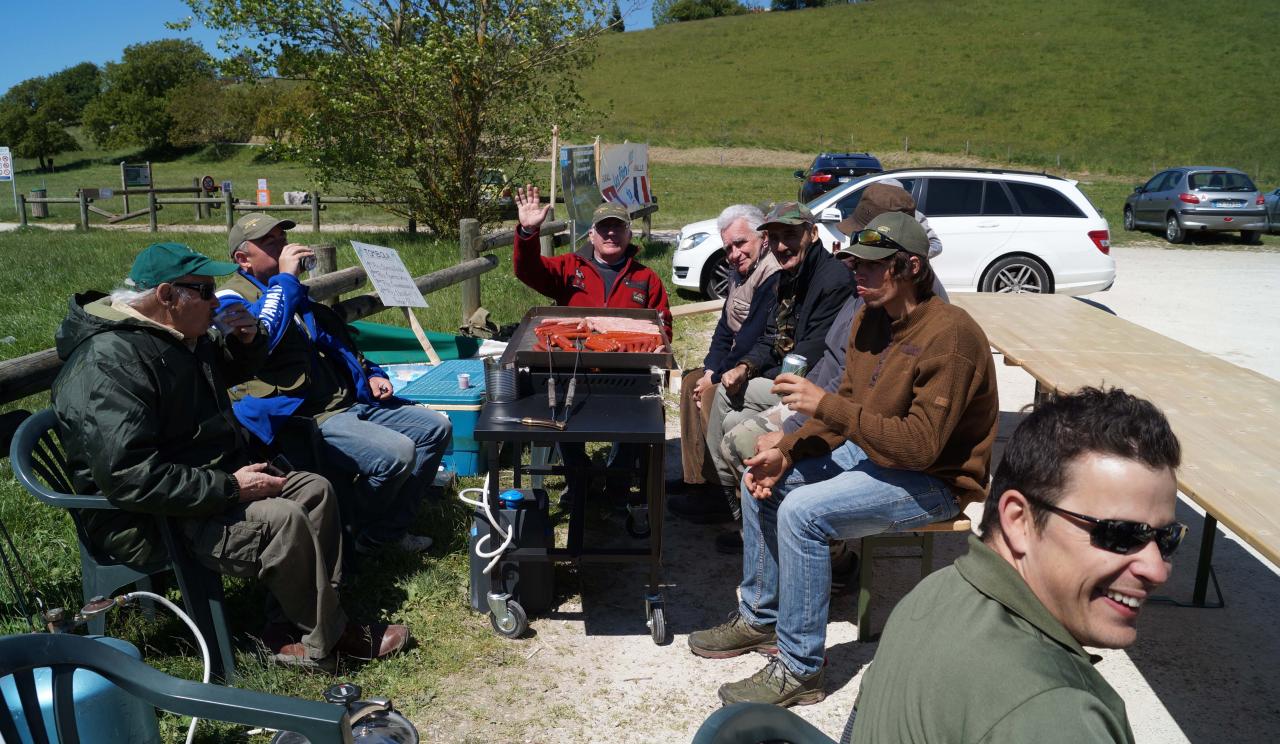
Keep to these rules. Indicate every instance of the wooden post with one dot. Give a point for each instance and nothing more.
(22, 209)
(326, 263)
(84, 209)
(423, 341)
(39, 209)
(469, 248)
(647, 221)
(229, 206)
(151, 211)
(413, 226)
(199, 207)
(315, 211)
(548, 248)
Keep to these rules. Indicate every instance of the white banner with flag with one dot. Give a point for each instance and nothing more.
(624, 175)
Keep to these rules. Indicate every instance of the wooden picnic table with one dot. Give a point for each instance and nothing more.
(1226, 417)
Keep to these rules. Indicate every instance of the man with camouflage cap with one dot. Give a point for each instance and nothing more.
(812, 288)
(905, 441)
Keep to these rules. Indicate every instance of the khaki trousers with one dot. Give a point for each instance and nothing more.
(694, 456)
(291, 543)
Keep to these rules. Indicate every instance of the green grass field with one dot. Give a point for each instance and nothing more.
(1109, 87)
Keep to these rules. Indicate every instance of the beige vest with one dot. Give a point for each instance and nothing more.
(738, 302)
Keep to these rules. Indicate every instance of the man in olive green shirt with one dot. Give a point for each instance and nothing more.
(1077, 534)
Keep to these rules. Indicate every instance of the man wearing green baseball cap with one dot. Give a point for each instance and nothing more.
(905, 441)
(142, 404)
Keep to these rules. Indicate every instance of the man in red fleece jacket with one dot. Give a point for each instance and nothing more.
(602, 273)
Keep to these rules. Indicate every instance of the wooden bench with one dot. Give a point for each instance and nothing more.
(1226, 417)
(921, 538)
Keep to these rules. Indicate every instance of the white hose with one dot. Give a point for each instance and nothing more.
(204, 647)
(507, 535)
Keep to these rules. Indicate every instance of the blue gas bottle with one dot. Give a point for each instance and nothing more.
(105, 714)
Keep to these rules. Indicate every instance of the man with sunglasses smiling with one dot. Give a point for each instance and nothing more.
(1078, 533)
(905, 441)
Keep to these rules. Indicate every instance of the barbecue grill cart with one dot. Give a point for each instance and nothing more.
(617, 398)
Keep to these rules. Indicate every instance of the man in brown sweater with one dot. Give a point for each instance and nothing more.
(904, 442)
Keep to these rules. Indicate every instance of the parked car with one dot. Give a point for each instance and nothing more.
(830, 169)
(1001, 231)
(1272, 203)
(1197, 198)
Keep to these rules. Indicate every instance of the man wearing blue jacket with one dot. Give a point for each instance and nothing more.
(313, 369)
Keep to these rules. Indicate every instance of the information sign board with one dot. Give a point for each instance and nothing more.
(389, 276)
(6, 165)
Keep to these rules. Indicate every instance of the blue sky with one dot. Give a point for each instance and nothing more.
(68, 32)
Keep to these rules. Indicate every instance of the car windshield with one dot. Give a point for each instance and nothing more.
(1220, 181)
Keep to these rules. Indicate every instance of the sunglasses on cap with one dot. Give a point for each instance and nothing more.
(1122, 536)
(875, 239)
(206, 289)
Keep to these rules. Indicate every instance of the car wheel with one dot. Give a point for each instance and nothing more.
(1251, 237)
(1128, 220)
(715, 280)
(1173, 231)
(1017, 274)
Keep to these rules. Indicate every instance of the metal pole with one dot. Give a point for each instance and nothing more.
(468, 249)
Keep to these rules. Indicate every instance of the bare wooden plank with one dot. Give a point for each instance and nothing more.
(694, 308)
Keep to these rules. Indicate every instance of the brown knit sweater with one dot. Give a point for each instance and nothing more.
(918, 394)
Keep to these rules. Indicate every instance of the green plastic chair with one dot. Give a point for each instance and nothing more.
(40, 465)
(753, 723)
(321, 723)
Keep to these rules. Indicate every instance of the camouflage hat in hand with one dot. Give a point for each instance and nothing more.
(788, 213)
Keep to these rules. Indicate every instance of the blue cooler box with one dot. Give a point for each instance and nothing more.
(438, 389)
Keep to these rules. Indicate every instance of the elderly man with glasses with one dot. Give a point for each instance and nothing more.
(905, 441)
(1078, 533)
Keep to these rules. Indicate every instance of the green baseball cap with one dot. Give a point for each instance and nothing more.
(163, 262)
(901, 228)
(253, 226)
(788, 213)
(611, 211)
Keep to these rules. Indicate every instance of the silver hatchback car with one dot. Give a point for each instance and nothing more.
(1200, 197)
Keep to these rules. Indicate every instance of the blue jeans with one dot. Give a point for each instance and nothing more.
(786, 565)
(395, 449)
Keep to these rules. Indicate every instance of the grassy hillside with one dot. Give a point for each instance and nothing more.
(1107, 86)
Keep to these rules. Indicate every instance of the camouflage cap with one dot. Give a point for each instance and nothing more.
(788, 213)
(902, 229)
(611, 211)
(253, 226)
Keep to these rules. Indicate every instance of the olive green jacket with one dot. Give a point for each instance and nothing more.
(971, 655)
(146, 421)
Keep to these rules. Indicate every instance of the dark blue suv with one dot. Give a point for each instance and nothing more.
(830, 169)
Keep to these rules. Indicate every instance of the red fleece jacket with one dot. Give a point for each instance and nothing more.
(572, 280)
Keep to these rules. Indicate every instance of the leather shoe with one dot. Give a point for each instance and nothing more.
(375, 641)
(712, 508)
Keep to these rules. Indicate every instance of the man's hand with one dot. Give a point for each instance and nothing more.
(241, 324)
(529, 207)
(768, 441)
(797, 393)
(701, 387)
(763, 472)
(256, 483)
(291, 258)
(734, 379)
(380, 387)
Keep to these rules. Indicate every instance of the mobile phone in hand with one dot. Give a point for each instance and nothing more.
(280, 466)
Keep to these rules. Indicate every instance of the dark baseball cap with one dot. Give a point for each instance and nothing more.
(611, 211)
(788, 213)
(163, 262)
(898, 227)
(877, 199)
(253, 226)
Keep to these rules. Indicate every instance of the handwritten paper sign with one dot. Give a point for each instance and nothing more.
(389, 276)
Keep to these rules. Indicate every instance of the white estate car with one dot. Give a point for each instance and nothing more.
(1001, 231)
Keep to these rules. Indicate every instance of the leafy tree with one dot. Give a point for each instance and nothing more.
(802, 4)
(81, 84)
(33, 119)
(616, 23)
(677, 11)
(415, 100)
(207, 112)
(133, 107)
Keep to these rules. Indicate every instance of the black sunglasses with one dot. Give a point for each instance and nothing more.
(876, 239)
(1123, 537)
(206, 289)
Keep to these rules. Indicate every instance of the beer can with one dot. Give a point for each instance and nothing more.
(794, 364)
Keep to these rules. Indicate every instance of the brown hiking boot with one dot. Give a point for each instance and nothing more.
(775, 685)
(367, 642)
(733, 638)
